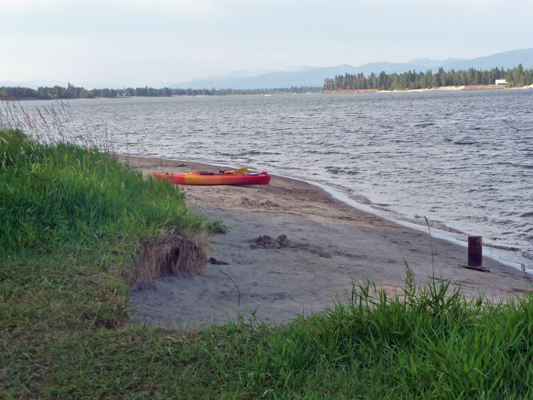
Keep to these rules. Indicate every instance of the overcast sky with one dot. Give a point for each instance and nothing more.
(137, 43)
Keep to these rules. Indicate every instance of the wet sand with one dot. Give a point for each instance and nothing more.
(329, 246)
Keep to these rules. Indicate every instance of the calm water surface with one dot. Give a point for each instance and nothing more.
(462, 159)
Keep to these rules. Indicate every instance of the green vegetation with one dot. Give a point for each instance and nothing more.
(216, 227)
(50, 194)
(412, 80)
(71, 220)
(73, 92)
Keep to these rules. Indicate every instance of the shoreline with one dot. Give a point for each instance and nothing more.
(346, 91)
(438, 89)
(436, 231)
(493, 251)
(158, 97)
(328, 246)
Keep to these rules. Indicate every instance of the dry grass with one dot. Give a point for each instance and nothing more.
(54, 124)
(172, 254)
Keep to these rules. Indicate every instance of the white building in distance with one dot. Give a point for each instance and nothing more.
(500, 82)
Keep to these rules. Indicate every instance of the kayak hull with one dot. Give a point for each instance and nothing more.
(203, 178)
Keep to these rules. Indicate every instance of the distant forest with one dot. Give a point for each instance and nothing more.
(73, 92)
(413, 80)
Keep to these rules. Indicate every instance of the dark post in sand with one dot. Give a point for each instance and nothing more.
(475, 252)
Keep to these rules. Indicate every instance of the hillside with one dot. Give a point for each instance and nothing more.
(316, 76)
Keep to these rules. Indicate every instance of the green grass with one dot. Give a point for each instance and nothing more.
(71, 220)
(216, 227)
(49, 194)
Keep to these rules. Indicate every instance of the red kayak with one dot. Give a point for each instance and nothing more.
(215, 178)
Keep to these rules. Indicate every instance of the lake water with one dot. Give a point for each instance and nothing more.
(462, 159)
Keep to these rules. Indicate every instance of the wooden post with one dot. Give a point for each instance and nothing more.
(475, 251)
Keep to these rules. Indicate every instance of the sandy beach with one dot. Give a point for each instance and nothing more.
(293, 250)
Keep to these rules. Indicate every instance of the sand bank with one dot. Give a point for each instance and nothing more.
(329, 245)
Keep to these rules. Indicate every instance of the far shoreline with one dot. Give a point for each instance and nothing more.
(438, 89)
(345, 91)
(158, 97)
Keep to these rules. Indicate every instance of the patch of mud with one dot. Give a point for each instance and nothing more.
(282, 242)
(267, 242)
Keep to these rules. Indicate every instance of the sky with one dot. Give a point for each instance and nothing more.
(138, 43)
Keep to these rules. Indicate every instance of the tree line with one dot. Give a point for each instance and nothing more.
(413, 80)
(73, 92)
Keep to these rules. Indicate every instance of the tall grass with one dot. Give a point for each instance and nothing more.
(51, 193)
(71, 223)
(54, 124)
(435, 345)
(432, 344)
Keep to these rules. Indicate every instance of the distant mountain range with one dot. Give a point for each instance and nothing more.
(309, 76)
(306, 76)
